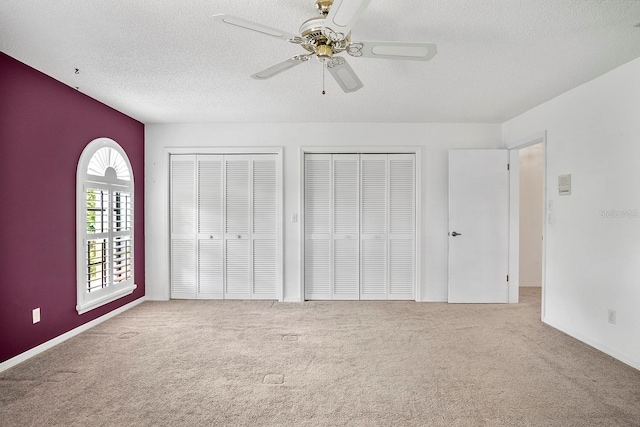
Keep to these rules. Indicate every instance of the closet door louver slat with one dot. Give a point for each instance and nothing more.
(183, 220)
(237, 227)
(401, 226)
(317, 215)
(210, 204)
(346, 212)
(265, 227)
(210, 269)
(373, 231)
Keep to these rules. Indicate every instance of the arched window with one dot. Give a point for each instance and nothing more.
(104, 224)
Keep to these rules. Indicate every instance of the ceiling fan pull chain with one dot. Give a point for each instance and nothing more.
(323, 92)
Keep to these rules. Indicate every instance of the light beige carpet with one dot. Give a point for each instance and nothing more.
(210, 363)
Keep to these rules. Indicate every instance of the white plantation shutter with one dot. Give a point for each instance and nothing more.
(317, 214)
(402, 226)
(210, 214)
(374, 219)
(122, 222)
(264, 216)
(104, 225)
(346, 210)
(183, 221)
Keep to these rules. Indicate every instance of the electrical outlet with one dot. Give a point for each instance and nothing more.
(612, 316)
(36, 315)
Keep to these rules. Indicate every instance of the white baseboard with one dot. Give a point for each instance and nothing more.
(598, 346)
(292, 299)
(434, 299)
(61, 338)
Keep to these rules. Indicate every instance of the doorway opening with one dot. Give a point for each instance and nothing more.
(528, 211)
(531, 214)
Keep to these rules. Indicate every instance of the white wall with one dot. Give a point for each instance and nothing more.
(435, 140)
(531, 211)
(593, 243)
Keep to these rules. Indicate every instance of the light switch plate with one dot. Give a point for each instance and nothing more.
(564, 185)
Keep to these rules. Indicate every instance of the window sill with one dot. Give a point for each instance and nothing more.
(98, 302)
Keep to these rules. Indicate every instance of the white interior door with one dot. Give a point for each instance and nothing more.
(478, 226)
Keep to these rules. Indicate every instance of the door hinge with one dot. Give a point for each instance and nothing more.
(508, 167)
(507, 277)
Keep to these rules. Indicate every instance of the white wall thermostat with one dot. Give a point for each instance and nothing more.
(564, 185)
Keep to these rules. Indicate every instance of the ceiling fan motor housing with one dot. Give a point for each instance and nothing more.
(314, 38)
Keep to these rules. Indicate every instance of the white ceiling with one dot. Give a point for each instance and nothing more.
(168, 61)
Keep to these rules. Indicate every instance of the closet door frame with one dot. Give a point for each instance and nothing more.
(417, 151)
(168, 152)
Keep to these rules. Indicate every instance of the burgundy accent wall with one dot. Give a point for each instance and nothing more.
(44, 126)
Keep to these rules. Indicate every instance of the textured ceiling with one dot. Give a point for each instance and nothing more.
(168, 61)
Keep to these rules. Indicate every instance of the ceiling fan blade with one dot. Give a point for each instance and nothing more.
(253, 26)
(393, 50)
(340, 69)
(344, 14)
(281, 67)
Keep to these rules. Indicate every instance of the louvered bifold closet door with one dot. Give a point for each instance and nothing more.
(264, 232)
(401, 236)
(183, 226)
(210, 203)
(237, 239)
(317, 217)
(373, 227)
(346, 212)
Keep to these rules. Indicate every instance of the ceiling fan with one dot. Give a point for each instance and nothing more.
(327, 36)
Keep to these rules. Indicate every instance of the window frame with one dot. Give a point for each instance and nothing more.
(87, 301)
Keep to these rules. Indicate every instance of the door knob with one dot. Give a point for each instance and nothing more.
(454, 234)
